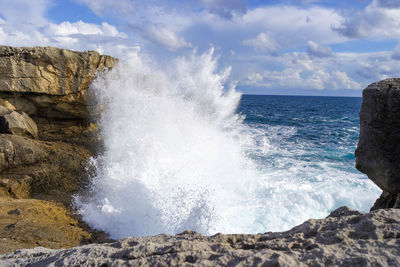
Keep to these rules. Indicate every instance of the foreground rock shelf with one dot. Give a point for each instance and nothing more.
(345, 238)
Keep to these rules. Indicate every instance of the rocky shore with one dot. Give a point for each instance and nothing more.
(345, 238)
(47, 137)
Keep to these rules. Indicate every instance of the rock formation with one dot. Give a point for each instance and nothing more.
(46, 139)
(378, 150)
(345, 238)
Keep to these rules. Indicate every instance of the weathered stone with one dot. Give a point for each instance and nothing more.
(5, 110)
(28, 223)
(56, 169)
(16, 123)
(16, 188)
(55, 81)
(347, 238)
(23, 105)
(6, 104)
(387, 200)
(18, 151)
(378, 150)
(43, 93)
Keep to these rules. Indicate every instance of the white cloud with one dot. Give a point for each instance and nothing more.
(340, 80)
(293, 26)
(376, 20)
(68, 28)
(396, 54)
(254, 78)
(165, 37)
(104, 38)
(106, 7)
(316, 50)
(296, 78)
(226, 8)
(15, 37)
(386, 3)
(22, 12)
(297, 70)
(264, 42)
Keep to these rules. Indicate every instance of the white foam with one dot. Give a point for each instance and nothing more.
(177, 157)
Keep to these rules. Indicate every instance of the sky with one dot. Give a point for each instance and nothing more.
(289, 47)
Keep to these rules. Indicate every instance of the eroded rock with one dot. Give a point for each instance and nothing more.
(17, 123)
(346, 238)
(26, 223)
(378, 150)
(49, 82)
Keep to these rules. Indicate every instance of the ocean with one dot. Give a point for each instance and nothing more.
(184, 150)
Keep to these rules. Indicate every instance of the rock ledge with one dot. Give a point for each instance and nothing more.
(345, 238)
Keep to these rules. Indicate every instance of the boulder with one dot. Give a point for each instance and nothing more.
(17, 123)
(378, 150)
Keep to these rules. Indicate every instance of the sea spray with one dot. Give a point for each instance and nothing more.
(177, 156)
(173, 155)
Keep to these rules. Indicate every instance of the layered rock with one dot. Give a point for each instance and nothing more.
(378, 150)
(13, 122)
(51, 86)
(49, 82)
(46, 140)
(345, 238)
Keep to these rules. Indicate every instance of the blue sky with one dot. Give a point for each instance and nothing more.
(309, 47)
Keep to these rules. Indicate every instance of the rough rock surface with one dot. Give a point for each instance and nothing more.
(345, 238)
(13, 122)
(55, 227)
(378, 150)
(51, 86)
(46, 139)
(49, 82)
(387, 200)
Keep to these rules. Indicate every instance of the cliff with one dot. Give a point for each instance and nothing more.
(46, 139)
(378, 150)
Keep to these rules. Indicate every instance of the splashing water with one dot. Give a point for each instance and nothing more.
(177, 156)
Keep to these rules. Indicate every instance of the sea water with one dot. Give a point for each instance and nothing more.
(184, 150)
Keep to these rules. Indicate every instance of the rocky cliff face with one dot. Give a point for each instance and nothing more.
(345, 238)
(378, 150)
(46, 139)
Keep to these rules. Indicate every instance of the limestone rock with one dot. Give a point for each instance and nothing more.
(18, 151)
(378, 150)
(26, 223)
(43, 94)
(346, 238)
(49, 82)
(16, 123)
(56, 169)
(7, 104)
